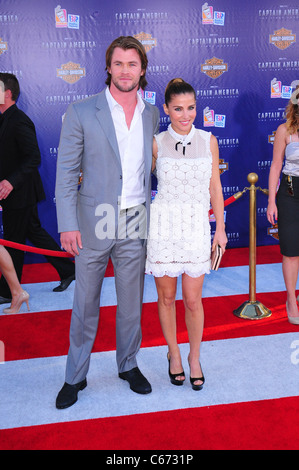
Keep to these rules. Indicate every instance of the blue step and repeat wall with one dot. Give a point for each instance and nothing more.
(241, 57)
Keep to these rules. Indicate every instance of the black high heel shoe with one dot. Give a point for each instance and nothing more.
(195, 379)
(173, 377)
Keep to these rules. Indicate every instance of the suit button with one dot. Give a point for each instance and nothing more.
(120, 177)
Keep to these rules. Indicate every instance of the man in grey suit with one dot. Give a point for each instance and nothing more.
(109, 138)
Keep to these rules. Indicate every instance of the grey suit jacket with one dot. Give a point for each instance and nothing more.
(88, 142)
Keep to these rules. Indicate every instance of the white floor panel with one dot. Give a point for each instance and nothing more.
(225, 281)
(236, 370)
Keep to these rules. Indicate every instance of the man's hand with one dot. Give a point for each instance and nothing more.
(71, 241)
(5, 189)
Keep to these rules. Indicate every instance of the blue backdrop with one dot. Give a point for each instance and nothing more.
(241, 58)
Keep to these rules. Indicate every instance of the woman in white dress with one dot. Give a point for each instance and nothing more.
(187, 164)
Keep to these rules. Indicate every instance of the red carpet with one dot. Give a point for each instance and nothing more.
(271, 424)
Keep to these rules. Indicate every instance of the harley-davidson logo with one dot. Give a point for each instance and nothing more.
(71, 72)
(146, 40)
(3, 46)
(214, 67)
(271, 138)
(223, 166)
(273, 231)
(282, 38)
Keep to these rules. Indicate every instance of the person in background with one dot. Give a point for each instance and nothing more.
(21, 187)
(8, 271)
(283, 205)
(187, 163)
(108, 136)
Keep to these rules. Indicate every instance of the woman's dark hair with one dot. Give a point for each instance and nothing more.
(127, 42)
(177, 86)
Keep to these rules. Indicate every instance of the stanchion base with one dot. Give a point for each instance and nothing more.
(252, 311)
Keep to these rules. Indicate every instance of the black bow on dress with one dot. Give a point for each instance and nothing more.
(184, 146)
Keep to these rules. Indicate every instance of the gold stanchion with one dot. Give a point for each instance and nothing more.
(252, 309)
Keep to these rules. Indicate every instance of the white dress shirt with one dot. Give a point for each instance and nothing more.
(130, 144)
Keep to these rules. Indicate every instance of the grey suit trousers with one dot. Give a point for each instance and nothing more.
(128, 258)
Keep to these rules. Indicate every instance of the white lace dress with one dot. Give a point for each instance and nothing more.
(179, 232)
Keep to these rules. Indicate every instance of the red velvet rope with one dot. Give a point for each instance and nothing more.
(229, 201)
(32, 249)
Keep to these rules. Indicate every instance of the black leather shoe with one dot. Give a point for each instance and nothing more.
(4, 300)
(68, 395)
(64, 284)
(138, 383)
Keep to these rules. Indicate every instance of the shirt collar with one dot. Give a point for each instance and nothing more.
(184, 139)
(113, 103)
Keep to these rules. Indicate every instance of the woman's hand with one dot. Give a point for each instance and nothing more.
(272, 213)
(220, 239)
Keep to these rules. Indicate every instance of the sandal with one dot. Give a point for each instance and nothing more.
(195, 379)
(173, 377)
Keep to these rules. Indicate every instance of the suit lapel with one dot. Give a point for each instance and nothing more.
(2, 128)
(105, 120)
(8, 115)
